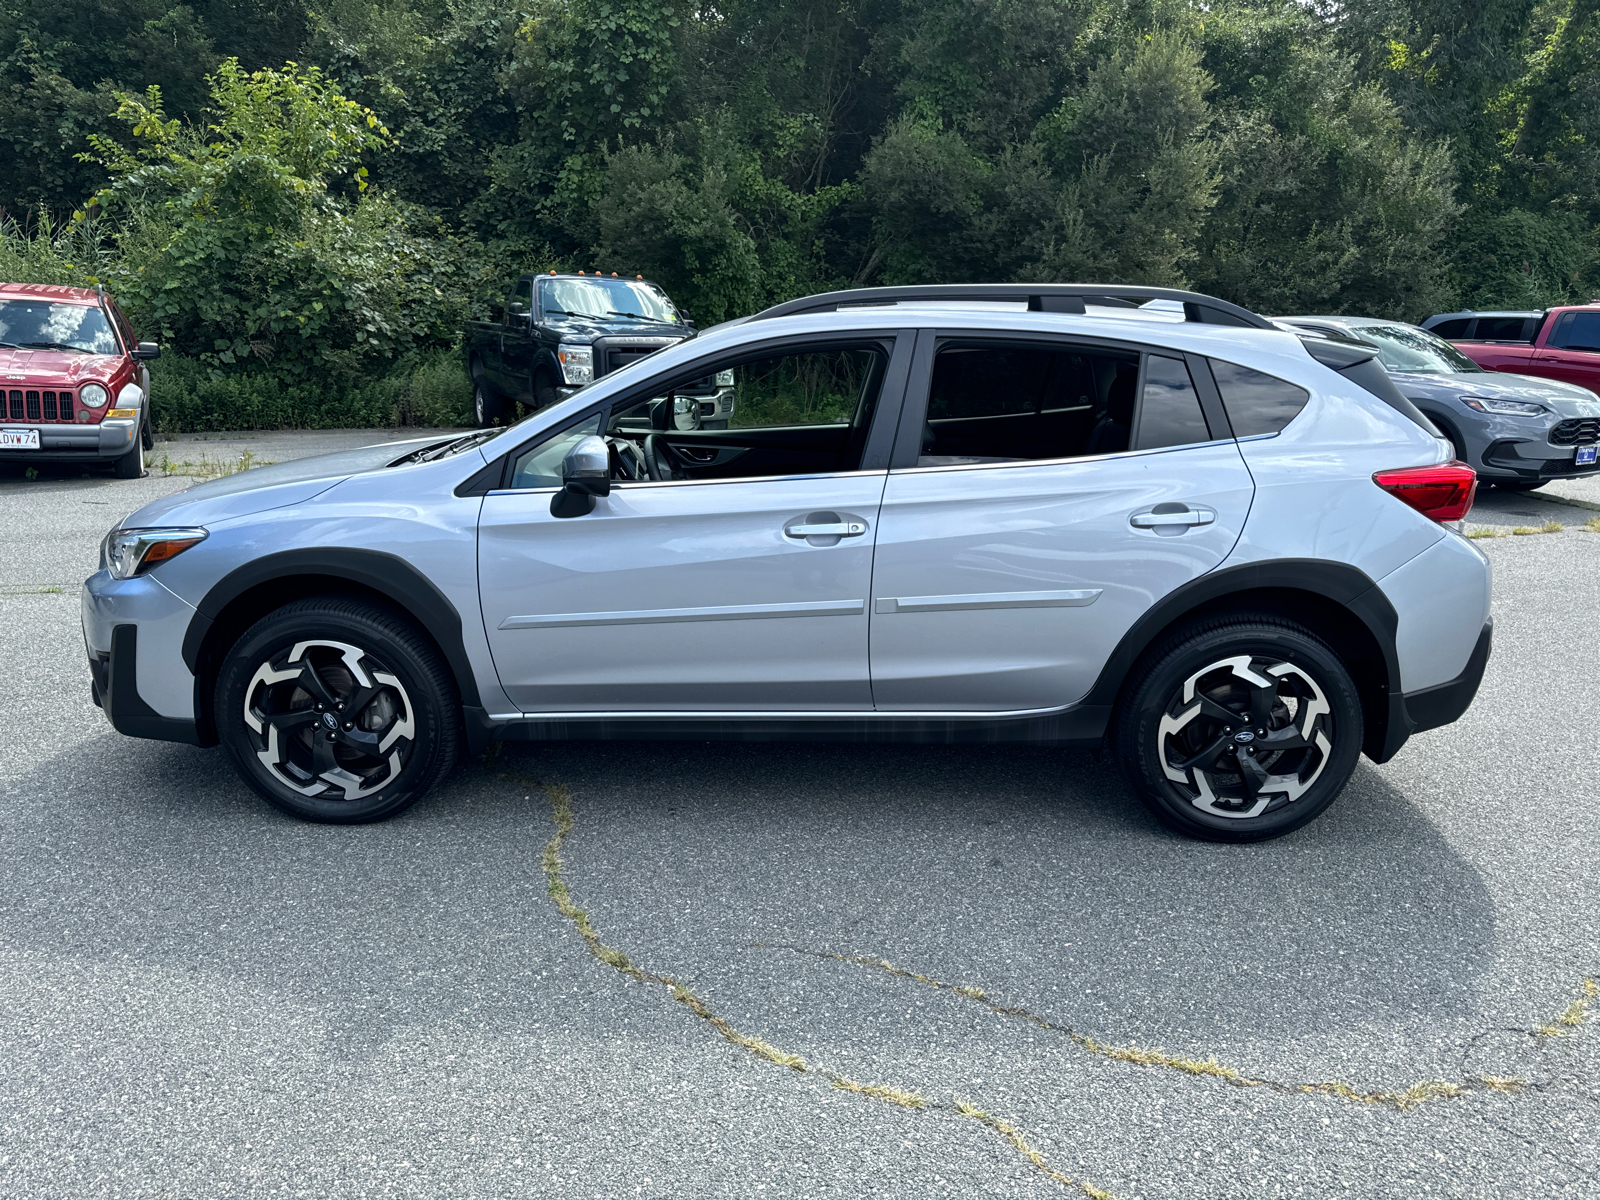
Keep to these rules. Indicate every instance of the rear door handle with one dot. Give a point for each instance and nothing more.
(827, 529)
(1171, 517)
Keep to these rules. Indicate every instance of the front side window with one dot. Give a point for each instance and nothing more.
(521, 301)
(1577, 331)
(1257, 403)
(41, 325)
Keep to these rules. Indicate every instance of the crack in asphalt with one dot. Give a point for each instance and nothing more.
(1575, 1015)
(551, 863)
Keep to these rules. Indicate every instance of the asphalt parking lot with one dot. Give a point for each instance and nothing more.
(202, 998)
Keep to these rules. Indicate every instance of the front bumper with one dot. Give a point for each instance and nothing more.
(109, 440)
(133, 631)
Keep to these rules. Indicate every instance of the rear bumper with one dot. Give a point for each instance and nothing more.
(1430, 707)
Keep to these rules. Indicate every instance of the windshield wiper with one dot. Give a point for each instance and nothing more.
(445, 449)
(636, 316)
(52, 346)
(9, 346)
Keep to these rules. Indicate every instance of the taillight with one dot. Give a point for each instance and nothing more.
(1443, 492)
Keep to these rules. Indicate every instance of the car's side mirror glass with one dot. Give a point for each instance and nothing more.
(147, 350)
(685, 412)
(585, 474)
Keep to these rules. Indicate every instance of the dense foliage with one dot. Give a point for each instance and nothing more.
(293, 195)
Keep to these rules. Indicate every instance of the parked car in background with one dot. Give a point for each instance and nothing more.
(1558, 343)
(1517, 431)
(978, 513)
(74, 385)
(558, 333)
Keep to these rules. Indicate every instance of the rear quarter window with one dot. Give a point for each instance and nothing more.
(1453, 329)
(1499, 329)
(1257, 403)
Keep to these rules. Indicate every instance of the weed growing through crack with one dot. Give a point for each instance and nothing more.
(208, 467)
(1488, 531)
(1547, 527)
(1592, 524)
(1577, 1013)
(550, 861)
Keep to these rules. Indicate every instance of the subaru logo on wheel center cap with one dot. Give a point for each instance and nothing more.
(331, 721)
(1243, 736)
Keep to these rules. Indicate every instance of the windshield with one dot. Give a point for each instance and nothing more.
(1402, 348)
(607, 298)
(40, 325)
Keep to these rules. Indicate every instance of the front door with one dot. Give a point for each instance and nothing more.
(727, 571)
(1058, 491)
(1572, 351)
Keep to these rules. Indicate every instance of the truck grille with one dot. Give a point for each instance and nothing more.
(1577, 432)
(618, 357)
(38, 406)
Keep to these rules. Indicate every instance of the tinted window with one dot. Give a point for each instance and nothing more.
(1170, 414)
(541, 466)
(1453, 329)
(523, 296)
(1500, 329)
(1008, 404)
(1257, 403)
(1577, 331)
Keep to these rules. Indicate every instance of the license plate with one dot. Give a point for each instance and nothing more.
(1586, 455)
(28, 439)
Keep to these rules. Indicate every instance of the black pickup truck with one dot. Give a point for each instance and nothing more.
(560, 332)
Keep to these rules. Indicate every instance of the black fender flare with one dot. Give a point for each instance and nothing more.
(386, 574)
(1346, 586)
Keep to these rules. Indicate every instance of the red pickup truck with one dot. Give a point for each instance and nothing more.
(1558, 343)
(74, 386)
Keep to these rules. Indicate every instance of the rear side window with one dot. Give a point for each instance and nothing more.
(1452, 329)
(1257, 403)
(1577, 331)
(1499, 329)
(1170, 413)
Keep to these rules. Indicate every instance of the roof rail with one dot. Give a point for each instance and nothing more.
(1039, 297)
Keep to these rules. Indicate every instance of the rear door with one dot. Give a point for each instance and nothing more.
(1045, 494)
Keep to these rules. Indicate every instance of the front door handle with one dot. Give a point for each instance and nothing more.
(827, 529)
(1169, 519)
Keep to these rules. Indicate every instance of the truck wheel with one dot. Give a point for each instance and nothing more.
(147, 435)
(544, 391)
(1239, 729)
(337, 711)
(131, 464)
(486, 406)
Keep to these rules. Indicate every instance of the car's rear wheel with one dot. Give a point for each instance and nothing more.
(1239, 729)
(338, 711)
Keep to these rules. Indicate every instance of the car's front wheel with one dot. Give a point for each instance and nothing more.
(336, 710)
(1239, 729)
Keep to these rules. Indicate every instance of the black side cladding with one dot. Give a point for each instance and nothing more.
(1359, 364)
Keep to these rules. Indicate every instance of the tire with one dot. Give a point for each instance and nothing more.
(544, 391)
(486, 406)
(147, 433)
(131, 464)
(269, 714)
(1176, 749)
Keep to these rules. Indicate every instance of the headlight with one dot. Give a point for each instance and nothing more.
(1506, 408)
(129, 552)
(724, 378)
(577, 362)
(93, 395)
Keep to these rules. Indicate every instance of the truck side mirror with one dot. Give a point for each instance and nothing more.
(147, 350)
(585, 474)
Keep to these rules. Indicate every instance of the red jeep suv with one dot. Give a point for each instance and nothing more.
(74, 386)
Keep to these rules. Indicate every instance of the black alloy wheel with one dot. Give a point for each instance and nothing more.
(337, 711)
(1239, 730)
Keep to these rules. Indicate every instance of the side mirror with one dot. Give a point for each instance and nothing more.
(585, 474)
(516, 313)
(685, 412)
(147, 350)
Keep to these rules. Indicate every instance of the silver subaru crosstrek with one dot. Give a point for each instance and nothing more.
(985, 513)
